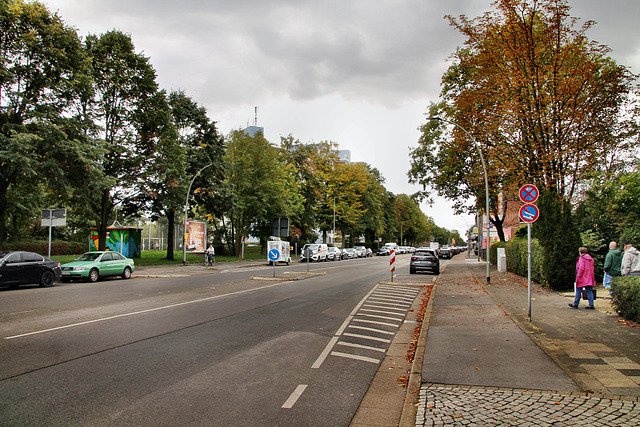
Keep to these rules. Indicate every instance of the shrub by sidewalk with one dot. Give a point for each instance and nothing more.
(626, 297)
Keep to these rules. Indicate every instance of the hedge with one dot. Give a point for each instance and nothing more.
(626, 297)
(57, 247)
(517, 259)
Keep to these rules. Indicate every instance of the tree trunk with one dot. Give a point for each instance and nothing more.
(171, 233)
(104, 220)
(498, 223)
(3, 210)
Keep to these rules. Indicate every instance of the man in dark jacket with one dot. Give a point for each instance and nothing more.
(612, 263)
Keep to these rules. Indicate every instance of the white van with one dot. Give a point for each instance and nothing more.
(317, 252)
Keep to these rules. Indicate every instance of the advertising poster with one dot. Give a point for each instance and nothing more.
(196, 236)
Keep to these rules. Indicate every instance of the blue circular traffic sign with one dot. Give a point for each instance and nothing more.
(529, 213)
(274, 255)
(529, 193)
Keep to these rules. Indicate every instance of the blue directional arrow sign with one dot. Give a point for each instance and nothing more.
(529, 213)
(274, 255)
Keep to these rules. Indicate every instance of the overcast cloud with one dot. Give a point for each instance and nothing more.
(360, 73)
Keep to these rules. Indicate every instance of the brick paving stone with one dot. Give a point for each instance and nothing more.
(448, 405)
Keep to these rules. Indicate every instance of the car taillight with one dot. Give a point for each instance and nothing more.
(413, 258)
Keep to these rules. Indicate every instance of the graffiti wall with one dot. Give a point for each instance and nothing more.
(127, 241)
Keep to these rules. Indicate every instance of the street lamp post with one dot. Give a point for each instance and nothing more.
(486, 184)
(186, 206)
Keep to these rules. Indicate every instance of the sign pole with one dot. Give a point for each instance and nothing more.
(529, 265)
(529, 193)
(50, 227)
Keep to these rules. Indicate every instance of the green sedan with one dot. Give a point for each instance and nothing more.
(94, 265)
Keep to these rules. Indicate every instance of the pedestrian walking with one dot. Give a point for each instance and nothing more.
(630, 261)
(585, 278)
(612, 265)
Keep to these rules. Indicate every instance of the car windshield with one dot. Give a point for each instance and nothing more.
(89, 256)
(425, 254)
(311, 247)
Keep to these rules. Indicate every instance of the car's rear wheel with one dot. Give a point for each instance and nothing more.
(47, 279)
(412, 271)
(94, 275)
(126, 274)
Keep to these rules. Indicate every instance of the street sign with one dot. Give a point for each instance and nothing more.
(529, 213)
(529, 193)
(274, 255)
(54, 217)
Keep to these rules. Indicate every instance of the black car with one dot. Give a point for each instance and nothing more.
(23, 268)
(445, 252)
(424, 260)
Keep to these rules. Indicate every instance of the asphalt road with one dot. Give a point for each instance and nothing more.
(214, 348)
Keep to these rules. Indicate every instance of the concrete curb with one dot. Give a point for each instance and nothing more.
(410, 409)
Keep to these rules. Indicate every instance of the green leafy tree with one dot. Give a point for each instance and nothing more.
(115, 107)
(40, 58)
(315, 166)
(260, 187)
(558, 234)
(545, 104)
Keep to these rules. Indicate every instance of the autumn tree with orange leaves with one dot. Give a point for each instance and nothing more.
(545, 104)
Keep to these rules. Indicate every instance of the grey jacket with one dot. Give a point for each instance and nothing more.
(630, 262)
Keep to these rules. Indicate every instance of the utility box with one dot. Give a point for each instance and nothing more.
(278, 251)
(502, 260)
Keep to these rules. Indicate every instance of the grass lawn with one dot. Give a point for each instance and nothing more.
(160, 257)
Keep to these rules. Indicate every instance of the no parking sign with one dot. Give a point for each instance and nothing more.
(529, 213)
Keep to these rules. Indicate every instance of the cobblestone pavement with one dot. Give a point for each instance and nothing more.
(448, 405)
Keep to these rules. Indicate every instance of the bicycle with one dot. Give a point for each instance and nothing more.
(209, 260)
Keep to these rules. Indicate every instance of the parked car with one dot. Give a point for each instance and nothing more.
(445, 252)
(317, 252)
(92, 266)
(383, 251)
(334, 254)
(369, 252)
(424, 260)
(351, 253)
(24, 268)
(361, 251)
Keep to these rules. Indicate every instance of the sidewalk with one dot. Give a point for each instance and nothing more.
(179, 270)
(486, 364)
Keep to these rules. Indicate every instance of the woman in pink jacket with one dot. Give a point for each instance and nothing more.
(585, 278)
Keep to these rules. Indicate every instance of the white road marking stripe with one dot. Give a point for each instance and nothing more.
(366, 337)
(355, 356)
(396, 300)
(294, 396)
(364, 328)
(381, 312)
(332, 341)
(150, 310)
(399, 294)
(384, 307)
(364, 347)
(380, 317)
(375, 322)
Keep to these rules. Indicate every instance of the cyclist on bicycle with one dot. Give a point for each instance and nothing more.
(210, 254)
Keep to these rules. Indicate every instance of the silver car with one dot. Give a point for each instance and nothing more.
(334, 254)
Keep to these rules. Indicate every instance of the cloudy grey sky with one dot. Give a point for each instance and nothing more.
(360, 73)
